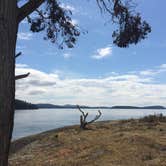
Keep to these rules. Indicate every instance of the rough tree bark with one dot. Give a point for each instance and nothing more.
(10, 17)
(8, 32)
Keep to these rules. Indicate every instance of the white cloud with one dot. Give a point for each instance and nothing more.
(74, 22)
(20, 47)
(103, 52)
(67, 55)
(68, 7)
(24, 36)
(148, 72)
(18, 65)
(163, 66)
(126, 89)
(152, 72)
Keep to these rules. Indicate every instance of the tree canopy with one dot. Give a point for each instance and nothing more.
(56, 21)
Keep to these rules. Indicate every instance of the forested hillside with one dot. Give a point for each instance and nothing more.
(19, 104)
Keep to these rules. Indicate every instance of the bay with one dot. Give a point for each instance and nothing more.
(29, 122)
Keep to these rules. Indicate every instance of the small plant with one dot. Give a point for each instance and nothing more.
(83, 122)
(153, 118)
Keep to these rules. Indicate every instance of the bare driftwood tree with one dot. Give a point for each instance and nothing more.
(83, 122)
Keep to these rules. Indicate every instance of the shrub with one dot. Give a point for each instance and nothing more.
(153, 118)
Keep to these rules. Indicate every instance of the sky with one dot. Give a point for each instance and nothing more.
(95, 71)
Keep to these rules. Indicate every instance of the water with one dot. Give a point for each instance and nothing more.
(28, 122)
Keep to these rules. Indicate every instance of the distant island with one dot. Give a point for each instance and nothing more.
(133, 107)
(68, 106)
(19, 104)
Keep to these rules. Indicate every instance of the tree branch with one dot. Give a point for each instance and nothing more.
(41, 14)
(18, 54)
(103, 6)
(80, 110)
(28, 8)
(97, 117)
(21, 76)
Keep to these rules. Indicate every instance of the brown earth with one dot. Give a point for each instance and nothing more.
(116, 143)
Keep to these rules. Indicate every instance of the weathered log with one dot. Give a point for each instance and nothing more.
(83, 122)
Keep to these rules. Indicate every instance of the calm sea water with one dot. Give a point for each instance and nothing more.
(28, 122)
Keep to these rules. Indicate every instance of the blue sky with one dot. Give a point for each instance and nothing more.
(95, 72)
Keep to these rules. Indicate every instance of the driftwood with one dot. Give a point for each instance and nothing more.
(17, 77)
(83, 122)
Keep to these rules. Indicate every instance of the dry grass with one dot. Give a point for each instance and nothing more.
(117, 143)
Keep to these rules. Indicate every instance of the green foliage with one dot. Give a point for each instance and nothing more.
(57, 23)
(131, 27)
(130, 31)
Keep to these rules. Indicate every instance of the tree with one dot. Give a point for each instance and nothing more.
(56, 22)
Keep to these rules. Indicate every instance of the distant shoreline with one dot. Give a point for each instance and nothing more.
(84, 107)
(21, 105)
(50, 106)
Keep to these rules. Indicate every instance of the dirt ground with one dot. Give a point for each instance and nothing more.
(110, 143)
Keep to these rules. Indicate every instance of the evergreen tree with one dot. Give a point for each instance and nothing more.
(56, 22)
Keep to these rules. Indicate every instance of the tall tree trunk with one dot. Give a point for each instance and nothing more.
(8, 31)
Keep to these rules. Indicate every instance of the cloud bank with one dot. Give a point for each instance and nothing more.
(139, 88)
